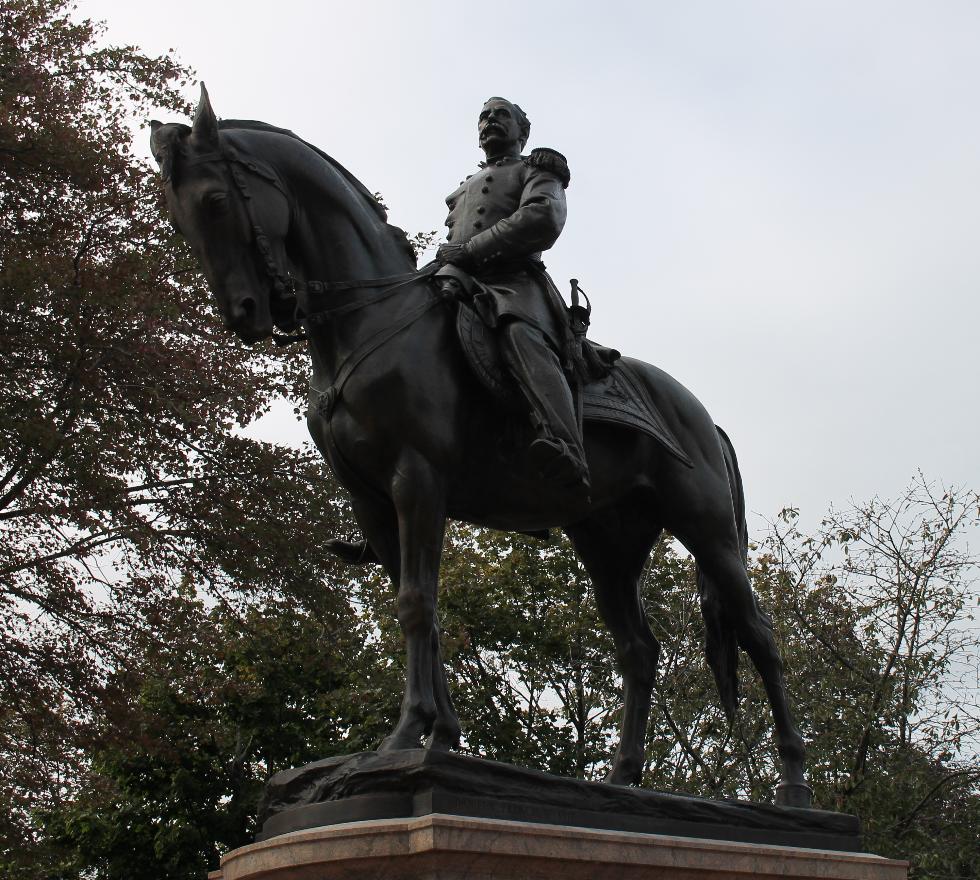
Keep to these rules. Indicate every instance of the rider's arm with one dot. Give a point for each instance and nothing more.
(533, 227)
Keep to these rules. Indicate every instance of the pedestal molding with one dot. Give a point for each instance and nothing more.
(440, 846)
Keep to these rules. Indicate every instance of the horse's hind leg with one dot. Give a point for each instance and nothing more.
(756, 636)
(614, 547)
(726, 583)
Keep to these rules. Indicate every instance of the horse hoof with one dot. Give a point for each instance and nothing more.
(443, 741)
(622, 775)
(354, 552)
(398, 743)
(794, 794)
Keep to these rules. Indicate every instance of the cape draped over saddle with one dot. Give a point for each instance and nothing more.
(611, 391)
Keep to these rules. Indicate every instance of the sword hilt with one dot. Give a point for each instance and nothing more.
(580, 315)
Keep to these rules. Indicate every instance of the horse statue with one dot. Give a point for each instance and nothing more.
(414, 436)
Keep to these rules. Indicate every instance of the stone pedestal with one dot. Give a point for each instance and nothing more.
(444, 847)
(439, 816)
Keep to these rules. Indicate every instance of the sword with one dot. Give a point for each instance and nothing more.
(579, 317)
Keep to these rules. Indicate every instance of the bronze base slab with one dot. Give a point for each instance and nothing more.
(413, 783)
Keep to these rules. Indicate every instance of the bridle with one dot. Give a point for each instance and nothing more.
(308, 310)
(283, 284)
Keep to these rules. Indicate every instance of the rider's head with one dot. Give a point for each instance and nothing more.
(503, 128)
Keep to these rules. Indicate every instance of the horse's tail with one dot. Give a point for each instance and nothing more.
(721, 640)
(738, 493)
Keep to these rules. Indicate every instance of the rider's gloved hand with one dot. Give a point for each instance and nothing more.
(450, 287)
(454, 254)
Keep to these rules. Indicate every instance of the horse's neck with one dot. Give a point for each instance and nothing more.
(343, 240)
(338, 237)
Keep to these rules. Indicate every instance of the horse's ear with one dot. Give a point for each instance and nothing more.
(205, 129)
(156, 139)
(163, 146)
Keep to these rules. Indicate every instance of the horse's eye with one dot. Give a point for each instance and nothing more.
(216, 200)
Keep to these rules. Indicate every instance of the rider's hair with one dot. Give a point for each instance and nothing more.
(523, 122)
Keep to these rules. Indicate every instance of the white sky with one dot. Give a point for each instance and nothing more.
(778, 203)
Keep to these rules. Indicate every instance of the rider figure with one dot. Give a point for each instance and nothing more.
(500, 220)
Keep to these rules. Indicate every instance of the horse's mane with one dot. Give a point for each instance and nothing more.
(370, 200)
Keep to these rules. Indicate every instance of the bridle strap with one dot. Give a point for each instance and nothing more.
(284, 283)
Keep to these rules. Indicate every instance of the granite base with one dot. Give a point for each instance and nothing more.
(442, 847)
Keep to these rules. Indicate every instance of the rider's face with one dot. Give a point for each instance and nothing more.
(498, 127)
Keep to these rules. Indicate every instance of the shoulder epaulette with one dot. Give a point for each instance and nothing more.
(550, 160)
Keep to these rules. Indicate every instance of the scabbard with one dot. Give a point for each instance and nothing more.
(577, 395)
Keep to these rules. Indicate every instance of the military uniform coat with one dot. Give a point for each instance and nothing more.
(505, 215)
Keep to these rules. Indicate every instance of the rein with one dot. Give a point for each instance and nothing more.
(315, 316)
(319, 314)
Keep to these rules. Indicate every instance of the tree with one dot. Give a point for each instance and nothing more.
(221, 698)
(881, 599)
(126, 488)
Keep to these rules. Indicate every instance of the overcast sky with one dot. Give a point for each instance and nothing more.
(778, 203)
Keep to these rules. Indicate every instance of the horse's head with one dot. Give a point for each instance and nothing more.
(235, 216)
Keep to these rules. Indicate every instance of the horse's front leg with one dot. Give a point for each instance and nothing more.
(420, 503)
(446, 731)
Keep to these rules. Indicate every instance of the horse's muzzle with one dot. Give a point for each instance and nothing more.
(245, 317)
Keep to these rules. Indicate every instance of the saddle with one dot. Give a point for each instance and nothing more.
(617, 396)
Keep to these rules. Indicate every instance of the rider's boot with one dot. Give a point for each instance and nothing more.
(557, 452)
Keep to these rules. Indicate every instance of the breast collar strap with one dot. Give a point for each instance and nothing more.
(328, 397)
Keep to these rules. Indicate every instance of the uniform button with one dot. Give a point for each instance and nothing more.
(489, 178)
(485, 189)
(481, 210)
(478, 224)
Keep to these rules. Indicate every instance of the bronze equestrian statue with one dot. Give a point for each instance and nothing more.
(286, 235)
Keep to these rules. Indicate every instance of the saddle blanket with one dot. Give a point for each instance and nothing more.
(621, 399)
